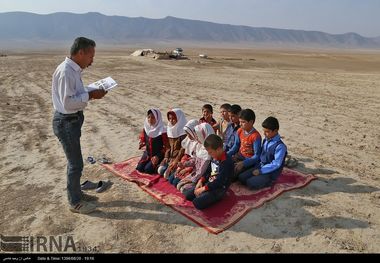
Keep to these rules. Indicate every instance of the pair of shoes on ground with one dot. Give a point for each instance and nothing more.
(103, 160)
(291, 162)
(99, 187)
(91, 159)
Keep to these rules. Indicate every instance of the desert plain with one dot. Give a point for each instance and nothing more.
(328, 105)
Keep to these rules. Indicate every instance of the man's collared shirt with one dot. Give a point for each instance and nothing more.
(68, 92)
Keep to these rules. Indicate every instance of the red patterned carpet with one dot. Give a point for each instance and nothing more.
(237, 203)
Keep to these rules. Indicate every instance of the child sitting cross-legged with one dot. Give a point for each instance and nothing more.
(247, 147)
(272, 158)
(187, 164)
(153, 137)
(176, 134)
(213, 185)
(202, 158)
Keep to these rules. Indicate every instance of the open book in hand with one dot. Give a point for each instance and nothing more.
(105, 84)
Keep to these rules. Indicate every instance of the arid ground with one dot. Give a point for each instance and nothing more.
(328, 105)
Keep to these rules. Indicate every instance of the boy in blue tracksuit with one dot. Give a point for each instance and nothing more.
(272, 158)
(213, 186)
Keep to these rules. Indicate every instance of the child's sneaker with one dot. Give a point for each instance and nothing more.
(83, 208)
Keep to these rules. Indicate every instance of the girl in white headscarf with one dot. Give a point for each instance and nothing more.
(153, 138)
(202, 158)
(187, 163)
(176, 135)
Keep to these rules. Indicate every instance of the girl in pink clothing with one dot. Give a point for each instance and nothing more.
(202, 158)
(187, 163)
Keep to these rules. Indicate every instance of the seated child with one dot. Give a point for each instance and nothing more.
(202, 158)
(176, 134)
(154, 138)
(272, 158)
(232, 128)
(187, 163)
(222, 125)
(212, 187)
(247, 147)
(207, 112)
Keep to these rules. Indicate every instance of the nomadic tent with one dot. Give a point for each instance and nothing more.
(142, 52)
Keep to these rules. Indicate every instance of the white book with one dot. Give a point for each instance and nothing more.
(104, 84)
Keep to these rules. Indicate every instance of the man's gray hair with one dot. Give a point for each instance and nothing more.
(81, 43)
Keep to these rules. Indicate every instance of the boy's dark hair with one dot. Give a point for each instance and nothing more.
(213, 141)
(149, 112)
(271, 123)
(235, 109)
(247, 115)
(226, 106)
(81, 43)
(207, 107)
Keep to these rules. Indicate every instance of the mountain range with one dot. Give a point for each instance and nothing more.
(30, 27)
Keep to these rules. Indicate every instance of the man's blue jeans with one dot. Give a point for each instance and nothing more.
(67, 127)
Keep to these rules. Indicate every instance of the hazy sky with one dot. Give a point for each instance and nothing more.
(331, 16)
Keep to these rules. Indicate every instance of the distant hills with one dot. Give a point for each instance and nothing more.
(31, 28)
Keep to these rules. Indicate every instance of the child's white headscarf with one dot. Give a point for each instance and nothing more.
(203, 131)
(158, 128)
(187, 144)
(177, 130)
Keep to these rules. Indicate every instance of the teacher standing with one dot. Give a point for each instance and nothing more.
(69, 100)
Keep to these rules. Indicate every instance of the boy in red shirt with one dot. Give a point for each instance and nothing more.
(247, 147)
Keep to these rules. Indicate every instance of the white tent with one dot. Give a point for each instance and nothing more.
(142, 52)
